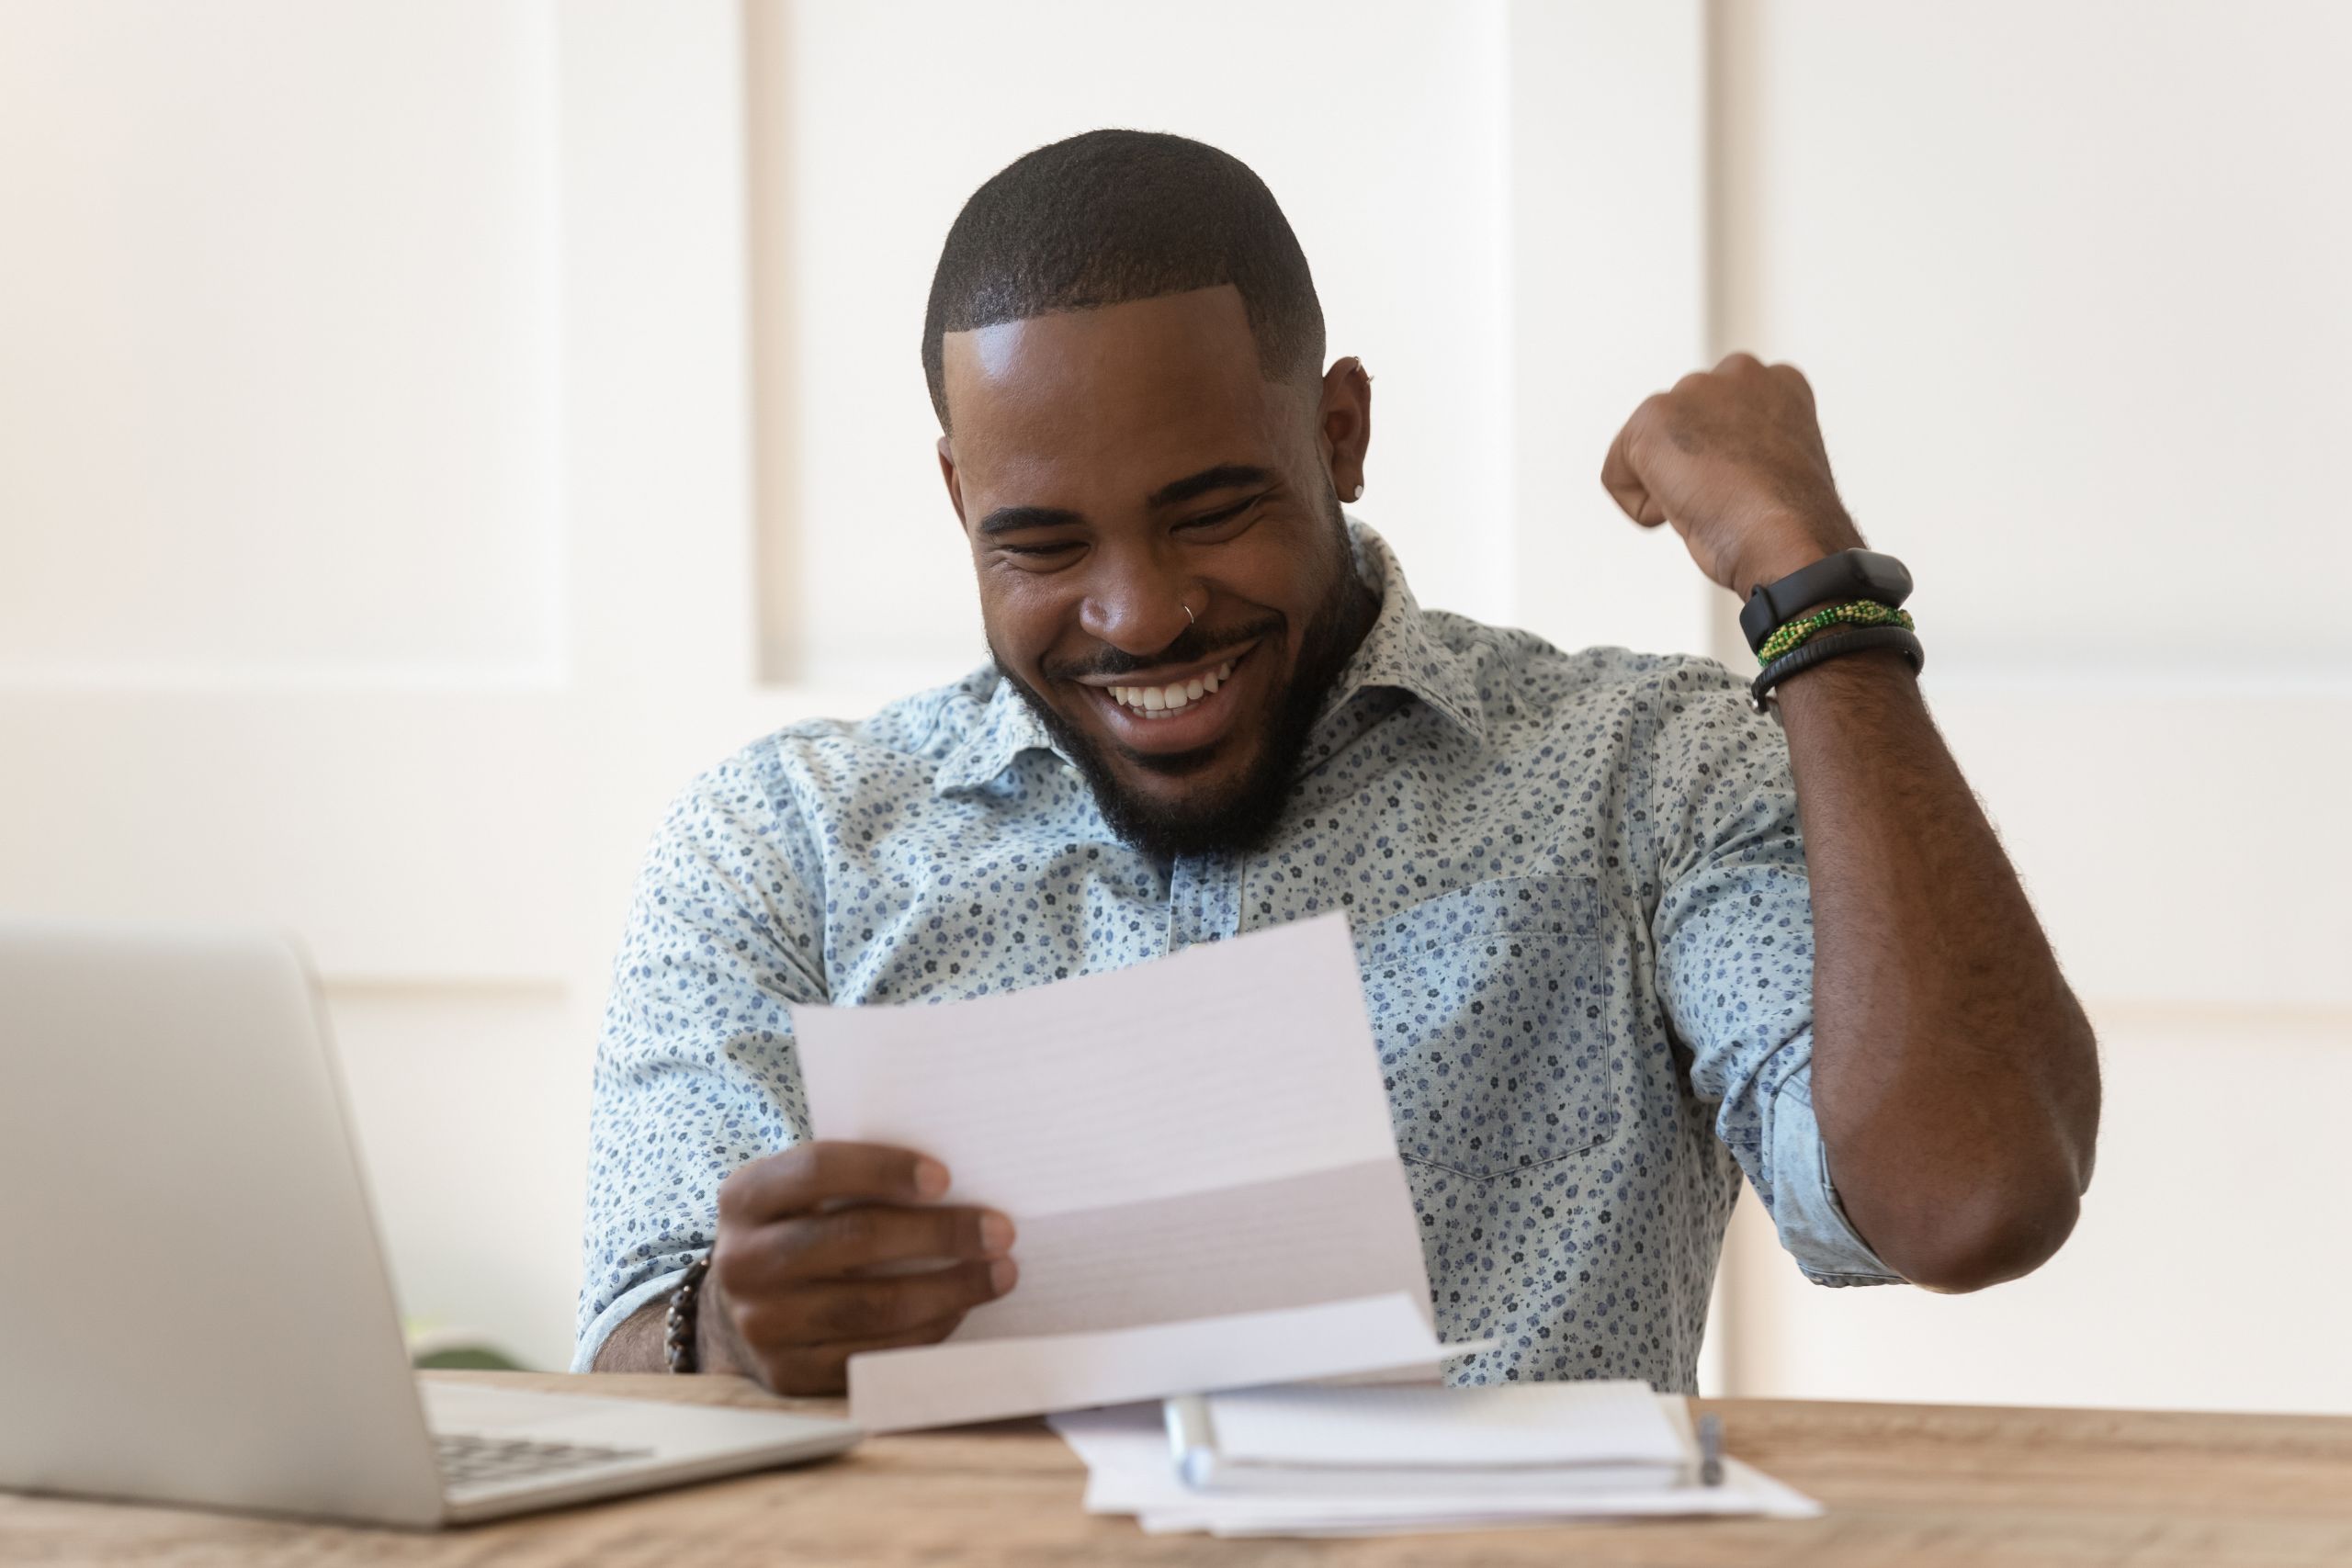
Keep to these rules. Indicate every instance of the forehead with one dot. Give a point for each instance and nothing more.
(1115, 395)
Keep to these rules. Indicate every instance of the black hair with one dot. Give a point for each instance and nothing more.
(1114, 216)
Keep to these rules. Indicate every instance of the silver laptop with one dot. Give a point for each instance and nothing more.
(193, 1306)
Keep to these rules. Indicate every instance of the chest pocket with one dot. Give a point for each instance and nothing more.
(1487, 1007)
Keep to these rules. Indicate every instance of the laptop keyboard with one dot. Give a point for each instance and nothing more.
(470, 1460)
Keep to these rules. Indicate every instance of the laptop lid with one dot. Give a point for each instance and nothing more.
(196, 1307)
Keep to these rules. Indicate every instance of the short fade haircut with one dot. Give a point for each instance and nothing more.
(1111, 217)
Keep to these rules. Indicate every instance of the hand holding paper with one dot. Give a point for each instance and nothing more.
(833, 1247)
(1195, 1152)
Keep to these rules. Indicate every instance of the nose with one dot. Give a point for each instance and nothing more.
(1137, 604)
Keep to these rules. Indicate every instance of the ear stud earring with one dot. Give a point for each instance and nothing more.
(1355, 491)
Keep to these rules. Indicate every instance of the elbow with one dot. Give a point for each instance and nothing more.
(1989, 1238)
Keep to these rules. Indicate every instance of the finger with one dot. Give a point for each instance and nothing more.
(1621, 474)
(1795, 379)
(818, 1312)
(807, 1175)
(829, 1245)
(824, 1368)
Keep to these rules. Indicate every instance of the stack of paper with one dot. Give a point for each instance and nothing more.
(1325, 1461)
(1197, 1158)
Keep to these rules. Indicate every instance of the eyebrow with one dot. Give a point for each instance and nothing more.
(1009, 519)
(1225, 475)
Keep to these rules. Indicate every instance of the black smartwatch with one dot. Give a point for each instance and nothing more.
(1849, 574)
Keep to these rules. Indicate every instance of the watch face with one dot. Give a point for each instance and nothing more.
(1884, 574)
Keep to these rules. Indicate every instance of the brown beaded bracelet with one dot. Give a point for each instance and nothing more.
(684, 1299)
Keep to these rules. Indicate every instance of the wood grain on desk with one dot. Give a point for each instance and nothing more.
(1941, 1485)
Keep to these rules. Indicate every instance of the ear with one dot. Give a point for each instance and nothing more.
(948, 473)
(1343, 424)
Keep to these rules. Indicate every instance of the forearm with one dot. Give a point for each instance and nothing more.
(640, 1342)
(1955, 1077)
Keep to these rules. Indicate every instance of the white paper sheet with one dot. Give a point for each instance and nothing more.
(937, 1385)
(1225, 1063)
(1509, 1424)
(1745, 1491)
(1201, 1139)
(1130, 1469)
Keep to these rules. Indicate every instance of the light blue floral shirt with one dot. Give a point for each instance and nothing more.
(1578, 898)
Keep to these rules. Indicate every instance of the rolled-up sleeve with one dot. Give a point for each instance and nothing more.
(1733, 932)
(695, 1068)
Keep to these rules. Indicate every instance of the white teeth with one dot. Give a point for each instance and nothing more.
(1159, 701)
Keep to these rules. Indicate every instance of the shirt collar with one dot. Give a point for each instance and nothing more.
(1006, 727)
(1402, 650)
(1399, 651)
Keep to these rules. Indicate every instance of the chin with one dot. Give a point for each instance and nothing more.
(1185, 784)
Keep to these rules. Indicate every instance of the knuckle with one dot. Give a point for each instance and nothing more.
(817, 1164)
(763, 1326)
(911, 1304)
(792, 1241)
(859, 1232)
(728, 1258)
(731, 1190)
(847, 1312)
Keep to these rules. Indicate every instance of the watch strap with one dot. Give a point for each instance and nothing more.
(1849, 574)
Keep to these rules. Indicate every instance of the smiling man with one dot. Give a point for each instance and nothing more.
(1626, 943)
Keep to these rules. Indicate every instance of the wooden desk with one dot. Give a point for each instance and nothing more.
(1926, 1484)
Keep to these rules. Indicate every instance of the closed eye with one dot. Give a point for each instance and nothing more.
(1223, 515)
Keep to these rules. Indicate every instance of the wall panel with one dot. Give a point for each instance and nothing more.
(2071, 293)
(282, 353)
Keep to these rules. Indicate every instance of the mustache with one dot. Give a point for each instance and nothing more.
(1195, 644)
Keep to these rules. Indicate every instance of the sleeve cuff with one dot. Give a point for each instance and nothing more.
(1812, 1224)
(600, 1328)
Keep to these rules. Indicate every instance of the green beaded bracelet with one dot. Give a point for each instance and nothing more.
(1855, 613)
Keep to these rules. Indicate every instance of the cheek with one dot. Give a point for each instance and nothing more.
(1025, 615)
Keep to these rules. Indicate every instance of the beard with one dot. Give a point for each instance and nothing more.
(1242, 816)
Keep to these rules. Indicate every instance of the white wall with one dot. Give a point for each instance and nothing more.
(1388, 130)
(377, 562)
(2072, 292)
(239, 255)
